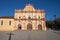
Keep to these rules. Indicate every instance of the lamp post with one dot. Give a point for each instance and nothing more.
(10, 34)
(55, 21)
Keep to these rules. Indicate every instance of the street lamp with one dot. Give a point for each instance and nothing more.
(55, 21)
(10, 34)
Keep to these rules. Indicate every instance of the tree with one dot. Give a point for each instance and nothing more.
(49, 24)
(53, 24)
(57, 22)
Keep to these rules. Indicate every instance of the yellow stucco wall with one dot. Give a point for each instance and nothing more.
(6, 26)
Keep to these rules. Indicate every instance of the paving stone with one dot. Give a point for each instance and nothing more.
(30, 35)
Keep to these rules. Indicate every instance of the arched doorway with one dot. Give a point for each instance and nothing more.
(39, 27)
(19, 26)
(29, 26)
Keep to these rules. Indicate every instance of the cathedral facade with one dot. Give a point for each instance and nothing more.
(28, 18)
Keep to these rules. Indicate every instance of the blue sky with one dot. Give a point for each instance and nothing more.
(51, 7)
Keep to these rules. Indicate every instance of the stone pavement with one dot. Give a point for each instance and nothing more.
(4, 35)
(30, 35)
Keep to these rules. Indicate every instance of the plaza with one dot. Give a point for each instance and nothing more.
(30, 35)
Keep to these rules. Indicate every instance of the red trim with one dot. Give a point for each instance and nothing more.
(21, 11)
(30, 19)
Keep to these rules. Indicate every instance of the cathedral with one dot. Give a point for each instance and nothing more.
(27, 18)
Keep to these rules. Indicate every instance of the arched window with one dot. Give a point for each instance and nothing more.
(29, 17)
(39, 17)
(1, 22)
(19, 17)
(9, 22)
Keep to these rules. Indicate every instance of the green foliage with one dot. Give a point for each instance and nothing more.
(53, 24)
(57, 21)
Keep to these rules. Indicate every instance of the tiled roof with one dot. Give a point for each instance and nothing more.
(9, 17)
